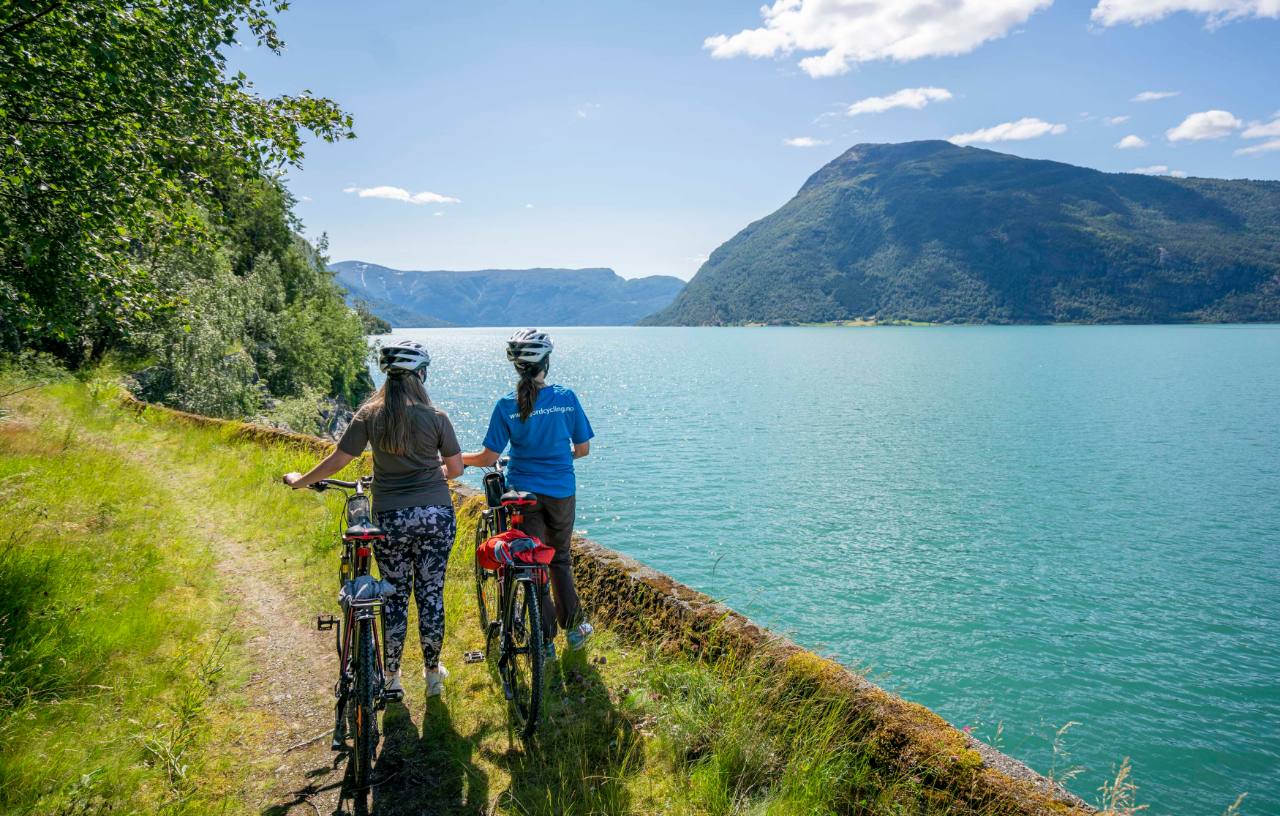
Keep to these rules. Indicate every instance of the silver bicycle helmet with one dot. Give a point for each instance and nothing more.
(403, 357)
(529, 348)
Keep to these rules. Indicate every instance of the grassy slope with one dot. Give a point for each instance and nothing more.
(123, 688)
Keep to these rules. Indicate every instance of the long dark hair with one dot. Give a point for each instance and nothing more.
(390, 425)
(528, 388)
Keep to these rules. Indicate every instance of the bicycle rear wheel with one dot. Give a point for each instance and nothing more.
(486, 583)
(365, 715)
(525, 657)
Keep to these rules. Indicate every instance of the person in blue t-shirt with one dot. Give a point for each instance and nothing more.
(546, 429)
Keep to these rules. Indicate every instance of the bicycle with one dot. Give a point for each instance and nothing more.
(510, 604)
(361, 688)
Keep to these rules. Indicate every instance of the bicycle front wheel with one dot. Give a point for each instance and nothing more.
(524, 657)
(365, 715)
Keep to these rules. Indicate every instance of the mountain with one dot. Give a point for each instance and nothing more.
(933, 232)
(505, 297)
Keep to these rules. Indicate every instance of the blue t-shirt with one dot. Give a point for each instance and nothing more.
(541, 452)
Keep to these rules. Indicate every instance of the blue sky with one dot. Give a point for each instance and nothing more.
(641, 135)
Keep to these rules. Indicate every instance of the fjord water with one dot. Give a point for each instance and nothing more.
(1019, 527)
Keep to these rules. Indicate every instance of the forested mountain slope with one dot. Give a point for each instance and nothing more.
(933, 232)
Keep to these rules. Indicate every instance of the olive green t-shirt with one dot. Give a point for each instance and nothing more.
(413, 478)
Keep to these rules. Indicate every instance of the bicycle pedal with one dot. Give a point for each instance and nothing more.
(473, 657)
(325, 622)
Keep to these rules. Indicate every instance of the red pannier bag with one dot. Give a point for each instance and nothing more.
(513, 547)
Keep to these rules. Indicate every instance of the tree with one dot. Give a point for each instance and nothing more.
(120, 134)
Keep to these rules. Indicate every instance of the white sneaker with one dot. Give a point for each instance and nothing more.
(393, 685)
(435, 680)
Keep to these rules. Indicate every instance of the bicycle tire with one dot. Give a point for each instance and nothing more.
(486, 583)
(365, 734)
(525, 658)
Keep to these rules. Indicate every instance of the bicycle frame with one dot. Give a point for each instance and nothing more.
(360, 607)
(507, 626)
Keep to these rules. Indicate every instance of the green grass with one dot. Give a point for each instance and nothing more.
(109, 627)
(121, 684)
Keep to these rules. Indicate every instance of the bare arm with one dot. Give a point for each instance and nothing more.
(581, 449)
(452, 467)
(330, 465)
(481, 458)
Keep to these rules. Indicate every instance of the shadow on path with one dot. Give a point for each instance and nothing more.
(428, 773)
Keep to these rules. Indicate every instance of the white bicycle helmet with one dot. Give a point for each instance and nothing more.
(403, 357)
(529, 348)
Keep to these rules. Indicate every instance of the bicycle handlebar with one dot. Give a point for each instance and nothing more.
(325, 484)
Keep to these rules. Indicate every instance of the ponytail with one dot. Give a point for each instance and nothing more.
(528, 388)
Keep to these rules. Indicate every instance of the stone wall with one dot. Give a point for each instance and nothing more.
(907, 737)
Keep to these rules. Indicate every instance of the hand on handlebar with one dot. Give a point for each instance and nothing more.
(292, 478)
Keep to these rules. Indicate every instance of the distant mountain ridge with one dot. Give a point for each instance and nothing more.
(928, 231)
(505, 297)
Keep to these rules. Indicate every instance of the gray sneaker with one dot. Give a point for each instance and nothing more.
(549, 653)
(577, 637)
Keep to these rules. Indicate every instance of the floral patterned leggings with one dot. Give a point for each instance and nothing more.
(413, 558)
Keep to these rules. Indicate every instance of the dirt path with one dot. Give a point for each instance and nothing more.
(290, 717)
(288, 690)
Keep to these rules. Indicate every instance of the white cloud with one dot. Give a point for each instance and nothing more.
(1158, 170)
(1026, 128)
(1212, 124)
(913, 98)
(528, 206)
(846, 33)
(1259, 149)
(1216, 12)
(1152, 96)
(1117, 120)
(438, 213)
(585, 111)
(1130, 142)
(804, 141)
(1261, 130)
(401, 194)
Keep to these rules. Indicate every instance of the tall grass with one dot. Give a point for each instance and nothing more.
(106, 610)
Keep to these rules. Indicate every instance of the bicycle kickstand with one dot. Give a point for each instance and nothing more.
(339, 742)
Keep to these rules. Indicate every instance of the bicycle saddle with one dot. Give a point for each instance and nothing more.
(363, 529)
(519, 498)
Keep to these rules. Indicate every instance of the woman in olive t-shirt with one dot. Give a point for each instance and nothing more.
(415, 453)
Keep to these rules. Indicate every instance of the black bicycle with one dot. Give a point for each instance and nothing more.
(508, 599)
(361, 688)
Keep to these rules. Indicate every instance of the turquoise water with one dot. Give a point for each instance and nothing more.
(1019, 527)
